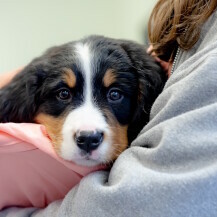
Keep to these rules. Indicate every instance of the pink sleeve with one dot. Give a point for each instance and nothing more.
(31, 174)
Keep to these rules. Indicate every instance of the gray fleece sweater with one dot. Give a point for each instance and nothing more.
(176, 176)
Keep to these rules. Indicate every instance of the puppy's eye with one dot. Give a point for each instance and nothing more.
(115, 95)
(64, 94)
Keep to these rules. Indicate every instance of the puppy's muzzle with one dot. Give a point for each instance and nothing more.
(89, 140)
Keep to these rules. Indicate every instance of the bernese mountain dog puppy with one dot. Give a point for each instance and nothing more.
(93, 96)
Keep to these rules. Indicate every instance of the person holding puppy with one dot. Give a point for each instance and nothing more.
(171, 168)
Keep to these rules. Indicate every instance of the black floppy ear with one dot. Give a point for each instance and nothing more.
(151, 80)
(18, 99)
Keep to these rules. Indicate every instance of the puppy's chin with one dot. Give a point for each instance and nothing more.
(70, 152)
(87, 162)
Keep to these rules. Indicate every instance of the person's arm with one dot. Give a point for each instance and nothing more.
(170, 169)
(166, 66)
(5, 78)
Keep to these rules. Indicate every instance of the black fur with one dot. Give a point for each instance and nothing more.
(151, 79)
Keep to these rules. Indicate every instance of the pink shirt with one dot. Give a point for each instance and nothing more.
(31, 172)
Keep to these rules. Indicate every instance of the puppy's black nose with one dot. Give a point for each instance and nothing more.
(88, 140)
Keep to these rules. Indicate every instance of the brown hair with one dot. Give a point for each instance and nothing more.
(176, 23)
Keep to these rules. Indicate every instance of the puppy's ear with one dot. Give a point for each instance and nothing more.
(151, 80)
(19, 99)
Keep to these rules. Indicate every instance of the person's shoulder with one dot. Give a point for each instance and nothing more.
(205, 46)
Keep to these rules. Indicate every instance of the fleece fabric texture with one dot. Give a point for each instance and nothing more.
(171, 168)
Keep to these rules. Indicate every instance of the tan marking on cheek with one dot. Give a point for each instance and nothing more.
(54, 128)
(120, 140)
(109, 77)
(119, 136)
(69, 77)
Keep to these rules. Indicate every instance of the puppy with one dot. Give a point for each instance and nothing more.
(93, 96)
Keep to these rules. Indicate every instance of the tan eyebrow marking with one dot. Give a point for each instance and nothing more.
(69, 77)
(109, 77)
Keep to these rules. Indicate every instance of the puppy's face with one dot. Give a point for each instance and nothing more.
(88, 94)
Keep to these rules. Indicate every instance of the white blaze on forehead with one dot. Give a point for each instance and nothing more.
(86, 117)
(84, 57)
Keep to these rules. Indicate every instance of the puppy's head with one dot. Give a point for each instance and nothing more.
(94, 96)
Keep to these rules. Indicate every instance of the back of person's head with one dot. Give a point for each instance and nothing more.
(176, 23)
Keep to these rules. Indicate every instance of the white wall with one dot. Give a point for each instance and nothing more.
(28, 27)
